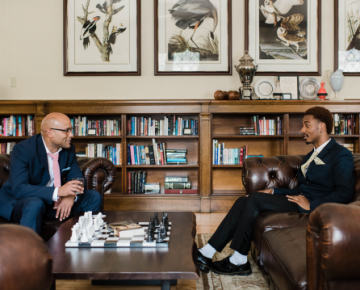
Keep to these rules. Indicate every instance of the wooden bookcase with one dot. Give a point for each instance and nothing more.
(218, 185)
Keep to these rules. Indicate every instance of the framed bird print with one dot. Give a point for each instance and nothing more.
(102, 37)
(284, 36)
(347, 35)
(193, 37)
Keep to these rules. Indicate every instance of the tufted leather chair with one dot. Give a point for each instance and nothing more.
(302, 251)
(99, 174)
(25, 262)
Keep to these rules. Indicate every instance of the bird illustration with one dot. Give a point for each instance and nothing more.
(290, 32)
(191, 13)
(87, 30)
(115, 32)
(273, 11)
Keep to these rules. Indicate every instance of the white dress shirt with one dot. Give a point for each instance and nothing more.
(51, 172)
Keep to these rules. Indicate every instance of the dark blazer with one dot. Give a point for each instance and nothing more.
(332, 182)
(29, 173)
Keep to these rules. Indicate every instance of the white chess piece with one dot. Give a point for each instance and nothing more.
(84, 237)
(77, 228)
(89, 233)
(96, 224)
(74, 236)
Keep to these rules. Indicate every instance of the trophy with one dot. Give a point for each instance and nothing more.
(246, 70)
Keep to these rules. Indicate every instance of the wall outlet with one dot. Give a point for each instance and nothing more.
(13, 82)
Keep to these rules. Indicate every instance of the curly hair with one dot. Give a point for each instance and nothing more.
(323, 115)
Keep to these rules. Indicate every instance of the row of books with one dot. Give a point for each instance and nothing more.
(155, 154)
(84, 127)
(343, 125)
(169, 126)
(6, 148)
(230, 156)
(264, 126)
(178, 185)
(136, 182)
(113, 153)
(17, 126)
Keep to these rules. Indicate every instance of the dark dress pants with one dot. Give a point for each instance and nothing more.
(30, 211)
(239, 222)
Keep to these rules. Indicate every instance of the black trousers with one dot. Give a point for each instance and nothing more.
(239, 222)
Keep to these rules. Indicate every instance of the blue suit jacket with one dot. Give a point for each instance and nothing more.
(332, 182)
(29, 173)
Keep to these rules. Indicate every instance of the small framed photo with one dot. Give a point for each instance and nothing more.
(287, 96)
(290, 85)
(187, 131)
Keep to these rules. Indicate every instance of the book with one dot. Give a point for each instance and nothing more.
(181, 191)
(177, 185)
(176, 178)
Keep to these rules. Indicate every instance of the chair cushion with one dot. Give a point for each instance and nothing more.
(283, 255)
(268, 221)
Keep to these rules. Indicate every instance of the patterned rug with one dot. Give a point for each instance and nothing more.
(214, 281)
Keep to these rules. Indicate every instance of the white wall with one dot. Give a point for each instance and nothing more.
(31, 41)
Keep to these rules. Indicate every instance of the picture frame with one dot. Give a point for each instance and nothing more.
(346, 57)
(287, 96)
(290, 84)
(287, 45)
(92, 48)
(185, 47)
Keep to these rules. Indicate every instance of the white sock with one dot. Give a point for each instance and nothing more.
(208, 251)
(238, 259)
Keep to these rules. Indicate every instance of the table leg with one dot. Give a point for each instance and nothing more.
(165, 284)
(53, 285)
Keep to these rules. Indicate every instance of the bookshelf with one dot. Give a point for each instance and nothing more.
(218, 185)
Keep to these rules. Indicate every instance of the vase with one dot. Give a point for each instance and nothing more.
(336, 81)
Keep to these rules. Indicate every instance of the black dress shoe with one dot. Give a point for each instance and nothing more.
(224, 267)
(203, 262)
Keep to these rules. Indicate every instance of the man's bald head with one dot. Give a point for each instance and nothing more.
(54, 120)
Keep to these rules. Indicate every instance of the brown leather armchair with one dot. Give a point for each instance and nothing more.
(99, 174)
(25, 262)
(302, 251)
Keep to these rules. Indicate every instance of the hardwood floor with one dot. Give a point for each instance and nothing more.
(206, 223)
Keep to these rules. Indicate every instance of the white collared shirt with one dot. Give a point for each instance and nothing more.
(318, 150)
(51, 171)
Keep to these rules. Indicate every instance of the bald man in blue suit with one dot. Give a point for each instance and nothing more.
(37, 166)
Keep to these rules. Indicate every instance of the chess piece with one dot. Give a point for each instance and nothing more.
(162, 231)
(149, 237)
(164, 222)
(84, 236)
(152, 221)
(77, 227)
(96, 224)
(157, 223)
(89, 233)
(159, 239)
(74, 236)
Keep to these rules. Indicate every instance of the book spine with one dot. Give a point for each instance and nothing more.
(181, 191)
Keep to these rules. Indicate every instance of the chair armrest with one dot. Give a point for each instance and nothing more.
(99, 173)
(333, 237)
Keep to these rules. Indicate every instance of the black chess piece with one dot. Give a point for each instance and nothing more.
(149, 237)
(157, 223)
(151, 231)
(159, 239)
(166, 219)
(164, 222)
(163, 231)
(152, 221)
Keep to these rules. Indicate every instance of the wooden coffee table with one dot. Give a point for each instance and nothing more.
(177, 262)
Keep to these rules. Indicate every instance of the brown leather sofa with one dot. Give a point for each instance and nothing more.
(302, 251)
(99, 174)
(25, 262)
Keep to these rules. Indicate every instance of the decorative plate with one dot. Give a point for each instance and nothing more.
(264, 88)
(309, 88)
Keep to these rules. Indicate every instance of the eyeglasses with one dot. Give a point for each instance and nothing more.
(67, 131)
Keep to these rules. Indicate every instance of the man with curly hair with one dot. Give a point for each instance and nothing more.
(326, 175)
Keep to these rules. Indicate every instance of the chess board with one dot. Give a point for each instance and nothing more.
(105, 238)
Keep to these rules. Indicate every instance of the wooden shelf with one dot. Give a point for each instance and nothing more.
(247, 136)
(331, 136)
(150, 195)
(228, 166)
(96, 137)
(164, 166)
(14, 137)
(163, 137)
(229, 192)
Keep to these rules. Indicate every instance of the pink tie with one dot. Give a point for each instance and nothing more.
(56, 169)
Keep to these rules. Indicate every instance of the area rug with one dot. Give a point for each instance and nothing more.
(214, 281)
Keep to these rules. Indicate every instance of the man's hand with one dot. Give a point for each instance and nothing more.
(268, 191)
(301, 201)
(71, 188)
(64, 207)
